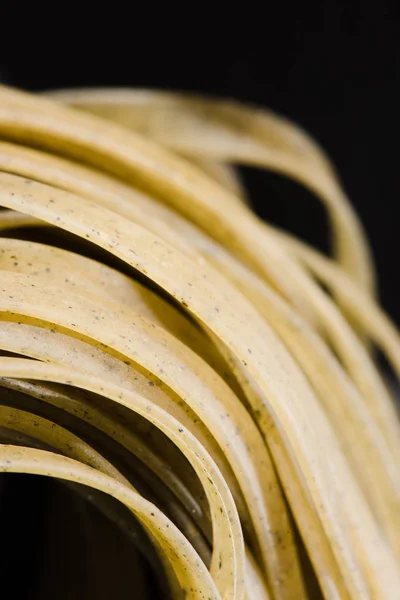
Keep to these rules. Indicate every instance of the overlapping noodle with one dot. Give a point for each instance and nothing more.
(182, 344)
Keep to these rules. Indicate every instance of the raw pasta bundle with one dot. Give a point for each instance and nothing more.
(208, 376)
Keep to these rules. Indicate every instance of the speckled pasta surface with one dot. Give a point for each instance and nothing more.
(209, 378)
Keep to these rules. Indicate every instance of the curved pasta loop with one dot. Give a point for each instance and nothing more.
(360, 308)
(167, 225)
(134, 159)
(190, 571)
(204, 380)
(228, 131)
(226, 528)
(226, 418)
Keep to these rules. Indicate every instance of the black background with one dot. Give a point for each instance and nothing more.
(331, 66)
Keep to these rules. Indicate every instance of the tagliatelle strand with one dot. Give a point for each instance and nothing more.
(227, 420)
(137, 207)
(190, 571)
(228, 131)
(258, 349)
(226, 358)
(144, 164)
(372, 462)
(105, 427)
(360, 308)
(220, 499)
